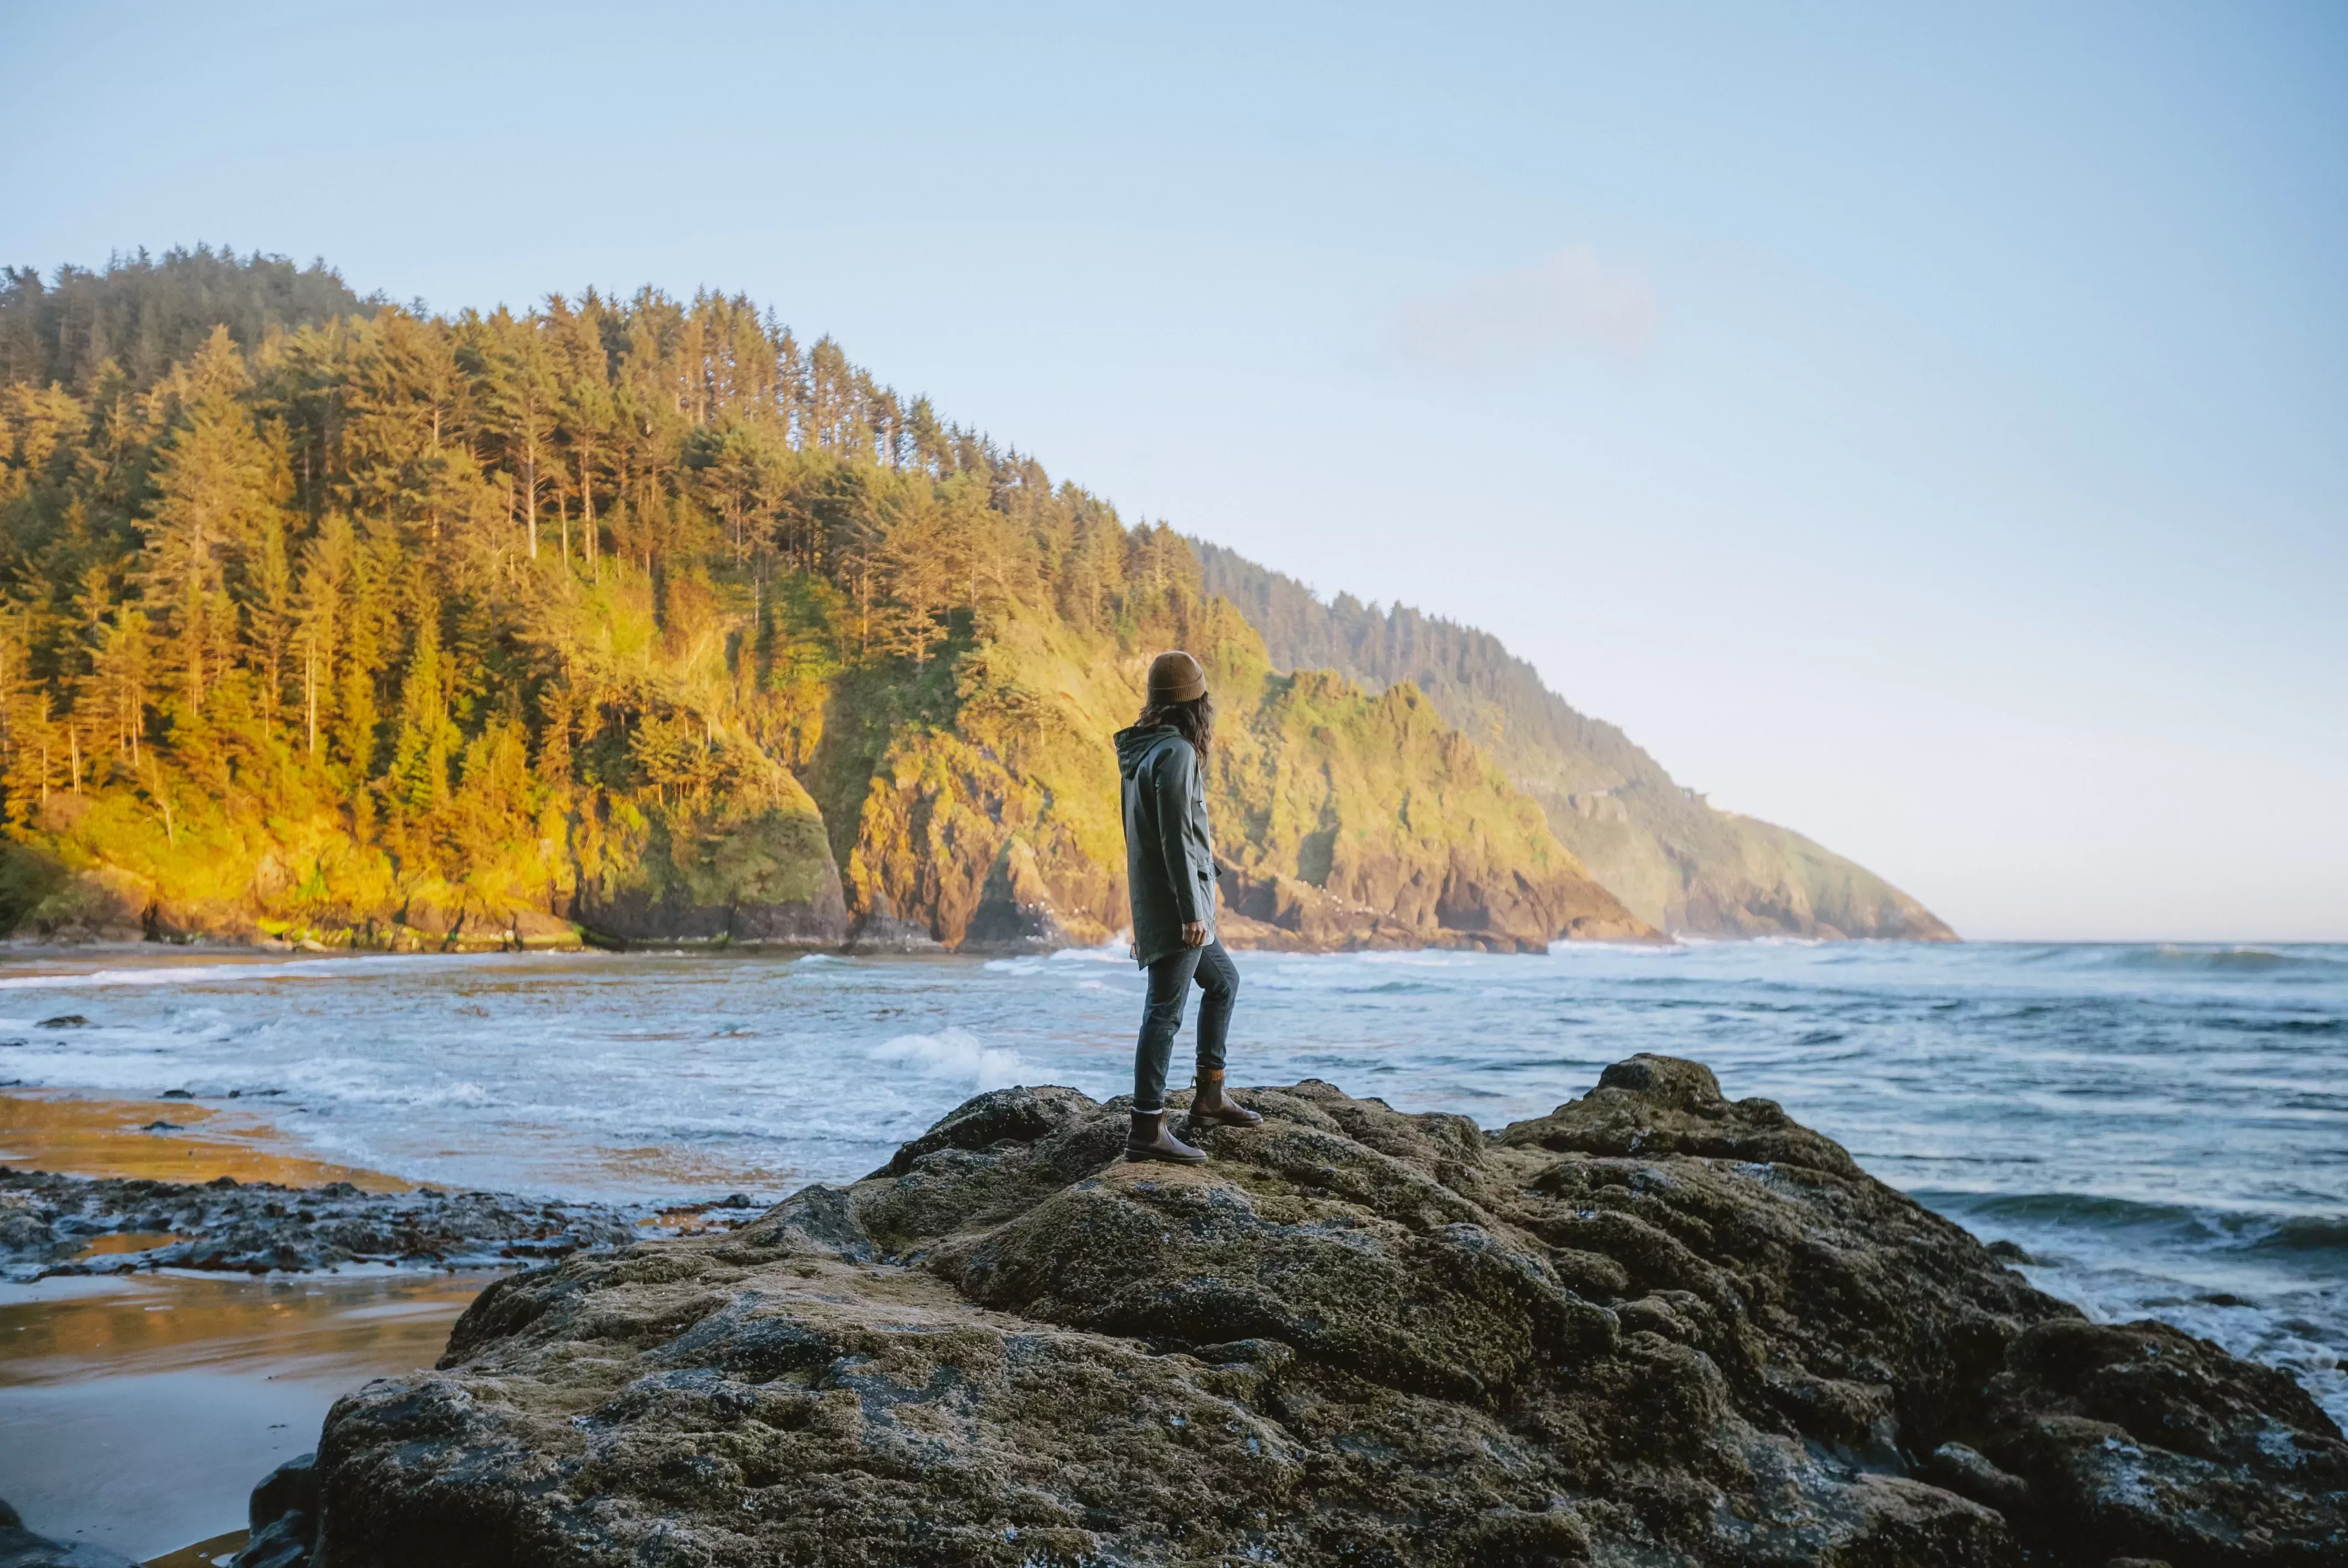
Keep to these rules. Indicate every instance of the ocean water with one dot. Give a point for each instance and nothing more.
(2164, 1129)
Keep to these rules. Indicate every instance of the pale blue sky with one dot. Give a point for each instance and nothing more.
(1927, 428)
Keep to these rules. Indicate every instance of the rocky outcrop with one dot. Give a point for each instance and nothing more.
(750, 870)
(746, 865)
(1486, 908)
(282, 1517)
(42, 898)
(53, 1225)
(1654, 1326)
(980, 853)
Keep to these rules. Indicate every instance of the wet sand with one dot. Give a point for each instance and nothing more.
(137, 1411)
(82, 1136)
(213, 1553)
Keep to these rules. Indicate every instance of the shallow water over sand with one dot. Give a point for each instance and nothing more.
(137, 1413)
(2166, 1127)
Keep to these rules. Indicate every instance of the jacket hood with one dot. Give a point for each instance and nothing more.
(1133, 745)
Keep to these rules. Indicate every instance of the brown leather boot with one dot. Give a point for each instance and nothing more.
(1211, 1107)
(1150, 1140)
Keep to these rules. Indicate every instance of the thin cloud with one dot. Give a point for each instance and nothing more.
(1568, 302)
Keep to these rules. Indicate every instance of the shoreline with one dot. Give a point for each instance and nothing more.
(1244, 935)
(138, 1405)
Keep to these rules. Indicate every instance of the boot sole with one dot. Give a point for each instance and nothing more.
(1148, 1156)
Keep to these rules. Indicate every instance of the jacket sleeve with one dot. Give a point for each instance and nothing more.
(1170, 783)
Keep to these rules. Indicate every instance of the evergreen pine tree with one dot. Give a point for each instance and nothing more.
(427, 738)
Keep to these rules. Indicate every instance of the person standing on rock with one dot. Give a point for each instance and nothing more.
(1169, 865)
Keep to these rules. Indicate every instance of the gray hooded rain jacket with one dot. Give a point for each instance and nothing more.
(1169, 857)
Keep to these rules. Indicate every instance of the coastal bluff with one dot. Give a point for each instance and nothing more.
(1652, 1326)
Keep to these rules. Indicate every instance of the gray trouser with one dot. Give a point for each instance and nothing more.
(1162, 1017)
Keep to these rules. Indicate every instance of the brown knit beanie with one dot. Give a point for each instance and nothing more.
(1176, 678)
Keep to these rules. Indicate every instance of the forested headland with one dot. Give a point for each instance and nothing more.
(1679, 863)
(326, 619)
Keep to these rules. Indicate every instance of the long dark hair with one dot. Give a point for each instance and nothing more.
(1194, 720)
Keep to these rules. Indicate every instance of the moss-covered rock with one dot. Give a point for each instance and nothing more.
(746, 867)
(1654, 1326)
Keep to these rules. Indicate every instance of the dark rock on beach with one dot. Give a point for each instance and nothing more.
(49, 1225)
(1654, 1326)
(21, 1548)
(282, 1516)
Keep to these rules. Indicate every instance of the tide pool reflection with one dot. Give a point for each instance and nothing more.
(137, 1411)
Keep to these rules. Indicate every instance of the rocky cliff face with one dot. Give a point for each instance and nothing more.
(1343, 820)
(1654, 1326)
(747, 867)
(1350, 820)
(259, 883)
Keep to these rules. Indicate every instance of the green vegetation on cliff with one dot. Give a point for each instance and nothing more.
(1677, 861)
(322, 620)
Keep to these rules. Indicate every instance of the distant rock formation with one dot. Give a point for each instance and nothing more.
(1678, 862)
(1655, 1326)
